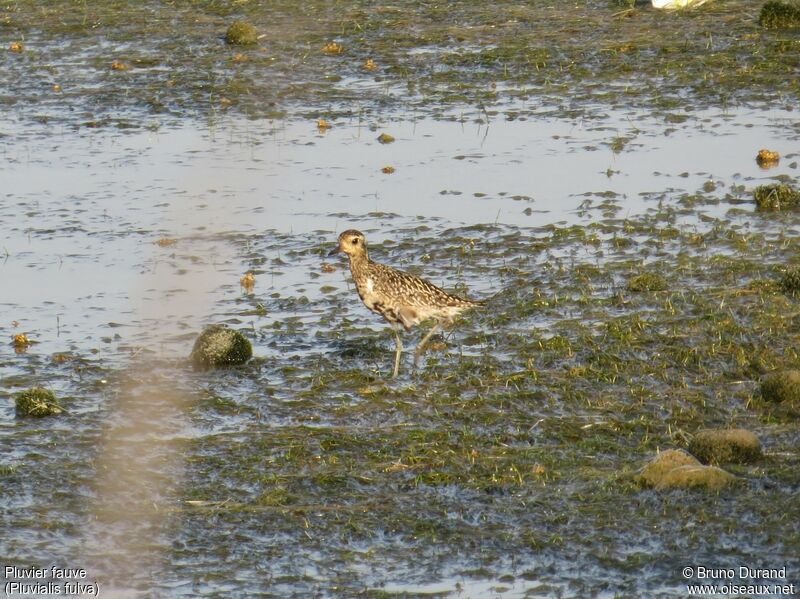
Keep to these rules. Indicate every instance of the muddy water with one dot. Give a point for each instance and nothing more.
(305, 472)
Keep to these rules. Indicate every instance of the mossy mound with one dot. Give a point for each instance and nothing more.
(779, 15)
(790, 281)
(220, 346)
(665, 461)
(685, 477)
(241, 33)
(770, 198)
(782, 387)
(648, 281)
(721, 446)
(37, 402)
(676, 469)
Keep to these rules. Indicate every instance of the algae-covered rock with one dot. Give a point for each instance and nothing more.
(684, 477)
(790, 281)
(779, 15)
(676, 469)
(37, 402)
(648, 281)
(220, 346)
(720, 446)
(241, 33)
(664, 462)
(776, 197)
(782, 387)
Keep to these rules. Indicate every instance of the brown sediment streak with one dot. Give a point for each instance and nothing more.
(140, 465)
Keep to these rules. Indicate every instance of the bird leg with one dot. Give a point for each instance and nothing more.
(399, 343)
(421, 345)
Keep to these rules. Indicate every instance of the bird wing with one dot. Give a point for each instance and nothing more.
(410, 290)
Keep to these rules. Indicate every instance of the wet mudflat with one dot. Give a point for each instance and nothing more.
(544, 158)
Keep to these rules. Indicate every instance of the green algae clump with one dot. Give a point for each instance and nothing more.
(790, 282)
(775, 197)
(648, 281)
(37, 402)
(676, 469)
(219, 346)
(720, 446)
(782, 387)
(779, 15)
(241, 33)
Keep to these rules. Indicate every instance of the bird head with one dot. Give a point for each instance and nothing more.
(351, 242)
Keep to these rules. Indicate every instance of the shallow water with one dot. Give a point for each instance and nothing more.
(83, 211)
(307, 471)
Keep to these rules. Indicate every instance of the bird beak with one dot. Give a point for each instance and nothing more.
(335, 250)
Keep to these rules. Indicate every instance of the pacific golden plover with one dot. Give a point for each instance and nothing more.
(402, 299)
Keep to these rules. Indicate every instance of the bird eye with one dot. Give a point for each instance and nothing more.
(354, 241)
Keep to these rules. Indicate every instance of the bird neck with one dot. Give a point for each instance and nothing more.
(358, 262)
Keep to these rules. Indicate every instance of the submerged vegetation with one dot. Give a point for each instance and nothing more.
(790, 281)
(648, 281)
(546, 403)
(37, 402)
(554, 396)
(782, 387)
(776, 14)
(776, 196)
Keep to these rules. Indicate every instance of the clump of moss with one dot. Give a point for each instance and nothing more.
(720, 446)
(790, 281)
(241, 33)
(274, 497)
(776, 197)
(648, 281)
(220, 346)
(37, 402)
(385, 138)
(782, 387)
(708, 477)
(675, 469)
(665, 461)
(779, 15)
